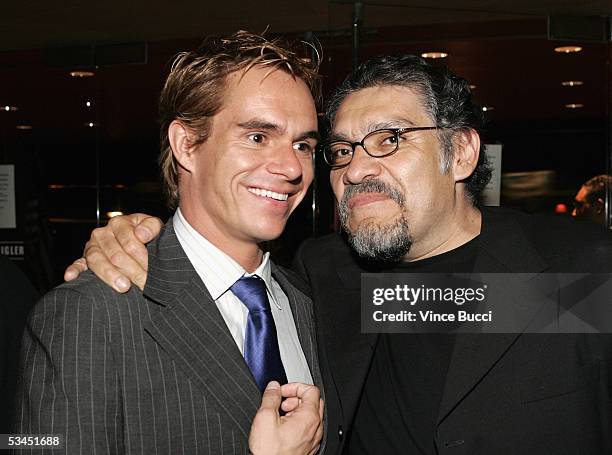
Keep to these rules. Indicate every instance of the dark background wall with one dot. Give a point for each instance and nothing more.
(75, 159)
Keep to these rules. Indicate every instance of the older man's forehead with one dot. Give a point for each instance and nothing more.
(389, 106)
(368, 125)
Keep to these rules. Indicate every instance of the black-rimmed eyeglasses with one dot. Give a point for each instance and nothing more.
(377, 144)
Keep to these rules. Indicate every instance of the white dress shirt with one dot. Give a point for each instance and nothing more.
(219, 272)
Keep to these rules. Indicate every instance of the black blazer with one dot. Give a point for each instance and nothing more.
(156, 372)
(504, 393)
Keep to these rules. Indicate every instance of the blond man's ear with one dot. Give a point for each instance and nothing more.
(181, 140)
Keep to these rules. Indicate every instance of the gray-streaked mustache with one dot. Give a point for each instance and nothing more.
(373, 186)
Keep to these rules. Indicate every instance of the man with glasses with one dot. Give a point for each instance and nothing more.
(407, 169)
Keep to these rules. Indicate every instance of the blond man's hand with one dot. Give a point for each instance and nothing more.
(299, 431)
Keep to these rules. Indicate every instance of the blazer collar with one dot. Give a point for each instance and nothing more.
(169, 267)
(503, 248)
(351, 350)
(300, 302)
(190, 329)
(301, 308)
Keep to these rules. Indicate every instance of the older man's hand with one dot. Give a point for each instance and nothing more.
(116, 253)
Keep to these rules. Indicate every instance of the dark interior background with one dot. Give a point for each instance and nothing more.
(86, 146)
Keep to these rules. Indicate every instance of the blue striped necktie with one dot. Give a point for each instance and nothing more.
(261, 351)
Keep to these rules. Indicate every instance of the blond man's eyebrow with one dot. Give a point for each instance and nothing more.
(264, 125)
(257, 124)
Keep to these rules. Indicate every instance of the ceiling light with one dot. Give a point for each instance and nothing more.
(571, 83)
(10, 108)
(568, 49)
(574, 105)
(82, 73)
(113, 214)
(88, 103)
(91, 124)
(434, 55)
(24, 127)
(487, 108)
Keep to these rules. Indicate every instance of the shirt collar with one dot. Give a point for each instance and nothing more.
(264, 271)
(217, 270)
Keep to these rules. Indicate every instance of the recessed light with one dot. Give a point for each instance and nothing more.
(568, 49)
(487, 108)
(574, 105)
(434, 55)
(90, 124)
(571, 83)
(113, 214)
(88, 103)
(10, 108)
(24, 127)
(82, 73)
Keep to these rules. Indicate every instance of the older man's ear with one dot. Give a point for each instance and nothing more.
(466, 154)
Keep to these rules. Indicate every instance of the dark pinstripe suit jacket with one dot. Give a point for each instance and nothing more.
(144, 373)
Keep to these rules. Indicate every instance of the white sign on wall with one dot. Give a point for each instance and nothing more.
(491, 193)
(8, 220)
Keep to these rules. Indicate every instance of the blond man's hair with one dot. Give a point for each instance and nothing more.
(194, 90)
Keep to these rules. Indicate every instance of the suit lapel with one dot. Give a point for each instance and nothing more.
(503, 248)
(189, 327)
(301, 308)
(351, 350)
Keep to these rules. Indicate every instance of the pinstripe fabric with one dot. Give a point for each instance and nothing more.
(157, 373)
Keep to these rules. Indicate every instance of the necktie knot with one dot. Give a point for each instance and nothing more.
(252, 292)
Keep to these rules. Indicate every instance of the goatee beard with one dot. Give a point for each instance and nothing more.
(385, 243)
